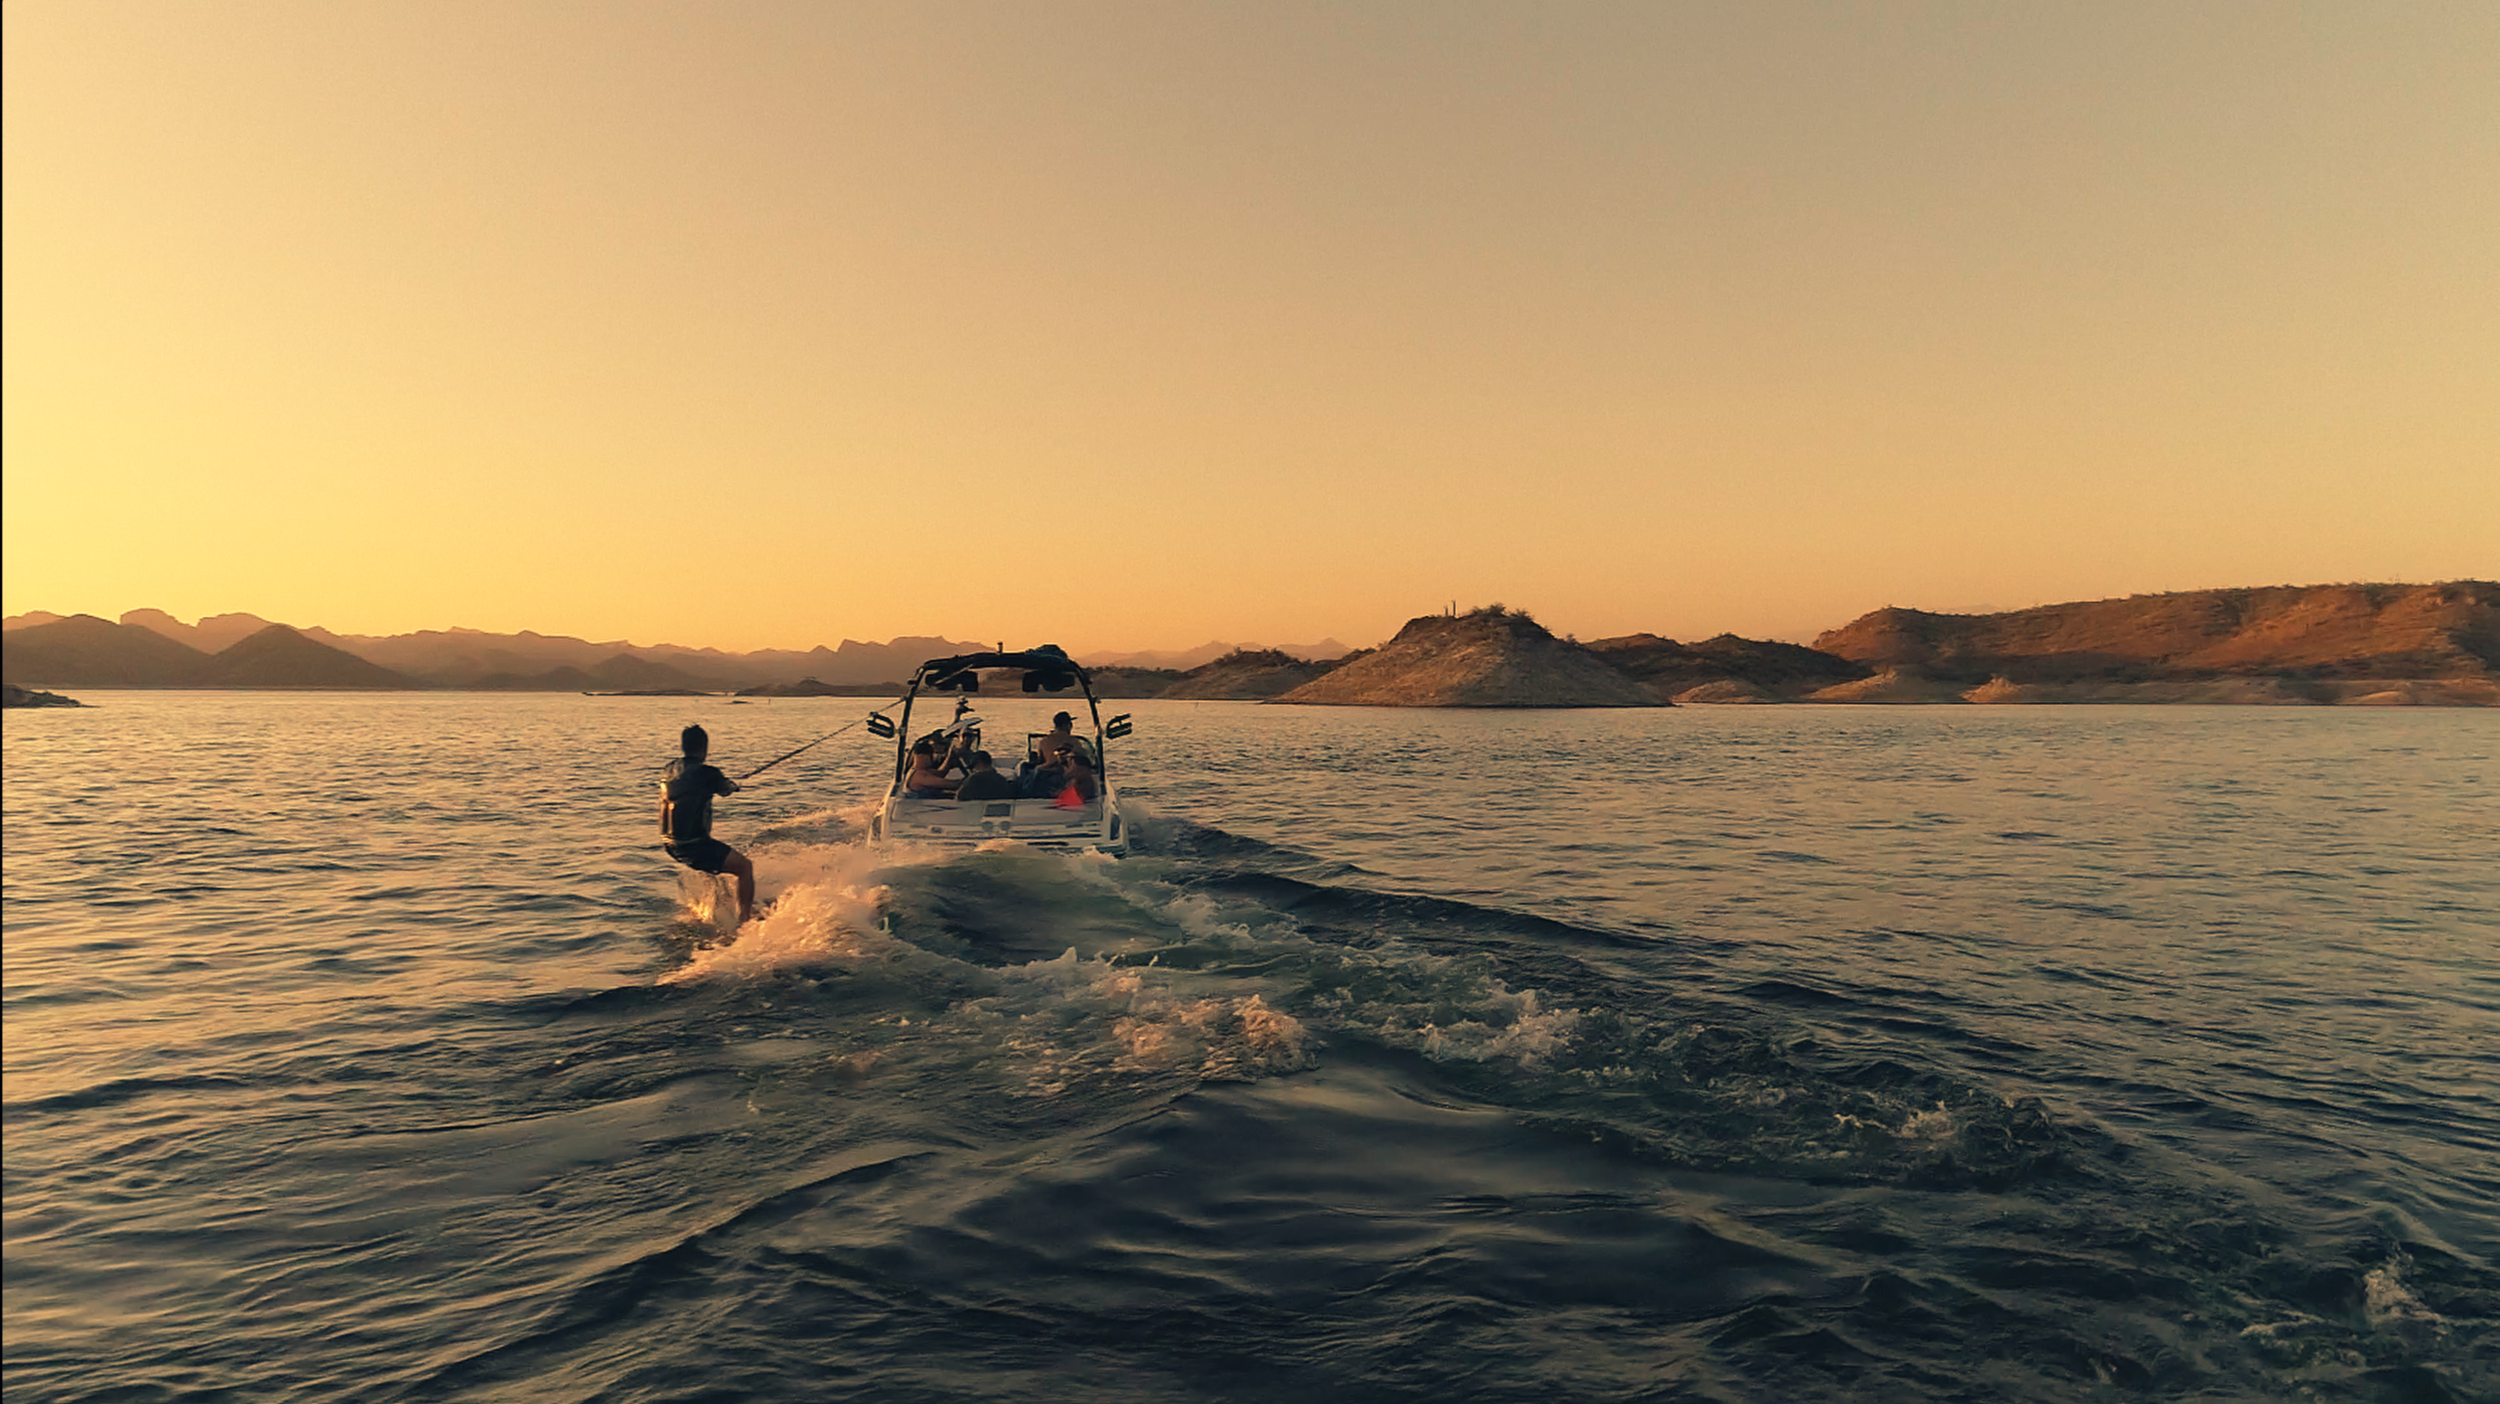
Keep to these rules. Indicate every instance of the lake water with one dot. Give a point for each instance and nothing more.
(363, 1048)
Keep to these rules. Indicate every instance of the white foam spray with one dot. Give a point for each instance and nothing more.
(824, 911)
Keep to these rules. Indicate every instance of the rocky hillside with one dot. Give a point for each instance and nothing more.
(1726, 668)
(1488, 657)
(11, 695)
(2445, 631)
(814, 687)
(1132, 684)
(1247, 675)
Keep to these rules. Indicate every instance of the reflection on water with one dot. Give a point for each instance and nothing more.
(362, 1047)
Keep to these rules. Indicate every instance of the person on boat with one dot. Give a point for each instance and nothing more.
(927, 779)
(983, 782)
(686, 791)
(1057, 741)
(1079, 788)
(1067, 779)
(957, 759)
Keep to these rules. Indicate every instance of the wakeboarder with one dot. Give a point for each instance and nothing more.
(686, 791)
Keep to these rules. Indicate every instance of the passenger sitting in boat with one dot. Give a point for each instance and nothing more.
(1042, 781)
(984, 782)
(1080, 789)
(1051, 744)
(927, 779)
(1068, 781)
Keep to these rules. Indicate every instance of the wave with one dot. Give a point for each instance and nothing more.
(126, 1089)
(608, 1295)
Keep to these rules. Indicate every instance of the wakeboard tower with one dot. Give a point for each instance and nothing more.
(1043, 821)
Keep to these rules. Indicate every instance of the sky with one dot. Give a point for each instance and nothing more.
(1139, 325)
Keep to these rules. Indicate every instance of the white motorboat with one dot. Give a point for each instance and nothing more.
(1066, 821)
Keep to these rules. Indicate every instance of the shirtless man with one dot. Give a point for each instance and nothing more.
(927, 778)
(686, 791)
(1059, 739)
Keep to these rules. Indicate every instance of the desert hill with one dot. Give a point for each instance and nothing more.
(2449, 630)
(1191, 659)
(565, 679)
(1897, 684)
(1131, 683)
(853, 661)
(1725, 668)
(1489, 657)
(83, 650)
(1248, 675)
(278, 656)
(619, 672)
(630, 670)
(812, 687)
(463, 657)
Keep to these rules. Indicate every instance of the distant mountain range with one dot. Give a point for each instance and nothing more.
(150, 648)
(2321, 643)
(133, 652)
(83, 650)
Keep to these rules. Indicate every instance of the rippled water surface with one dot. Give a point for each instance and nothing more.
(363, 1048)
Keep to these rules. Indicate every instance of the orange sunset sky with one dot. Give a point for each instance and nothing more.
(1136, 325)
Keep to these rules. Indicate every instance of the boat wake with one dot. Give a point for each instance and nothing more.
(1048, 991)
(1074, 970)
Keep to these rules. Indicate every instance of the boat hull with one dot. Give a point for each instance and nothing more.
(1099, 827)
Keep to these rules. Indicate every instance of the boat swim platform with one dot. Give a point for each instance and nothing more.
(1036, 821)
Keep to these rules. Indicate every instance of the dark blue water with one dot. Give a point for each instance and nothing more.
(359, 1048)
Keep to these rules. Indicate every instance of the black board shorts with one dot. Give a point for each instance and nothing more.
(706, 855)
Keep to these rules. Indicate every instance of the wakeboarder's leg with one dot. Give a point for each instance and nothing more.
(739, 866)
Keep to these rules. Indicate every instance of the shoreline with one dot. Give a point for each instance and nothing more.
(2435, 694)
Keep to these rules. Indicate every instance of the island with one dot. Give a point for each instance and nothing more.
(11, 695)
(1488, 657)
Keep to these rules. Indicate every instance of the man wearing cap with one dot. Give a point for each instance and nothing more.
(1059, 740)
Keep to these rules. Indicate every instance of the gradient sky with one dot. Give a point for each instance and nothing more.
(1136, 325)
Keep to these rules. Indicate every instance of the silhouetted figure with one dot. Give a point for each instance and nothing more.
(927, 779)
(983, 782)
(1079, 789)
(1056, 742)
(686, 791)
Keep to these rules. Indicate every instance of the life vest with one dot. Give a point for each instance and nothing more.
(689, 788)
